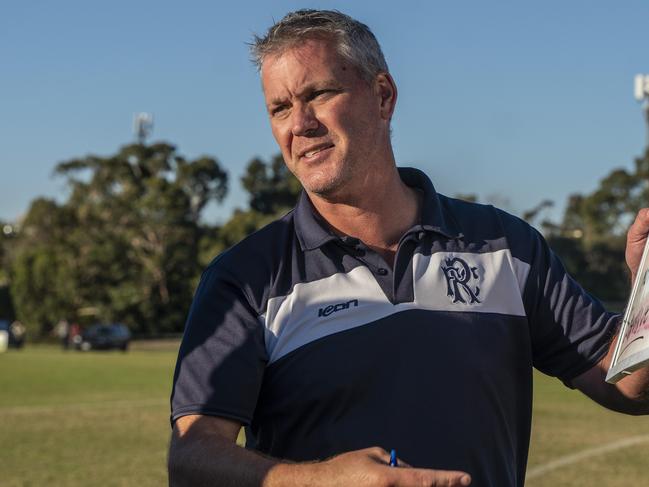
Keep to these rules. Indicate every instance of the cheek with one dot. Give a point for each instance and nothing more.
(355, 121)
(282, 137)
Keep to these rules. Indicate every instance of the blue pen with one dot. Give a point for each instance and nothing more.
(393, 458)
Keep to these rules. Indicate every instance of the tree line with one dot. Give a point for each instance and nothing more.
(128, 244)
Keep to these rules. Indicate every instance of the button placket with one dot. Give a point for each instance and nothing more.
(373, 261)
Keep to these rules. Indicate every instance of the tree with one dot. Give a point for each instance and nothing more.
(124, 246)
(271, 187)
(592, 236)
(272, 191)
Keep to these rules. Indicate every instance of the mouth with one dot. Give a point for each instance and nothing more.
(311, 152)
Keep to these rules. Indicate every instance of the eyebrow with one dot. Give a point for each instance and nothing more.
(310, 88)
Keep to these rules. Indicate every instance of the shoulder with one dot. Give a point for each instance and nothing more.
(260, 247)
(253, 263)
(480, 222)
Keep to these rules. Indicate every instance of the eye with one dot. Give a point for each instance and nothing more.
(278, 110)
(320, 93)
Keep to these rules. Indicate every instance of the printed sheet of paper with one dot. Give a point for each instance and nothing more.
(632, 349)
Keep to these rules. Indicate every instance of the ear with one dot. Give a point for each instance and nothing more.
(387, 91)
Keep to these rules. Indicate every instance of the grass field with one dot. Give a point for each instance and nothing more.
(85, 419)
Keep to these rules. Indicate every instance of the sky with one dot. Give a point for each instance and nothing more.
(516, 102)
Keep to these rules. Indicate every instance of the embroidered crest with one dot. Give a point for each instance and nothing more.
(458, 281)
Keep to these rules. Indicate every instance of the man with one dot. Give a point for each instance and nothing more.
(378, 314)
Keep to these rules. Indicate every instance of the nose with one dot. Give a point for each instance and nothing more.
(304, 120)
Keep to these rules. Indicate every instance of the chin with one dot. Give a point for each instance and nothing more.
(325, 189)
(325, 183)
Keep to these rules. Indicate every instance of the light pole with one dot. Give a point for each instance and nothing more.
(142, 126)
(641, 92)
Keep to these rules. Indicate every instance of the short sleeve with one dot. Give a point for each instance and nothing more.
(570, 329)
(222, 356)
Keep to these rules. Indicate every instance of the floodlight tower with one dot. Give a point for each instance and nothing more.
(142, 126)
(641, 92)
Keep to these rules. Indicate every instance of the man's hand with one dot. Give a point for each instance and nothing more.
(636, 238)
(203, 453)
(370, 467)
(631, 394)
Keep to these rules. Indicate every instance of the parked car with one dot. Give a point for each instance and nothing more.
(103, 337)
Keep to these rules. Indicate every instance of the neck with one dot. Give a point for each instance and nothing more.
(378, 211)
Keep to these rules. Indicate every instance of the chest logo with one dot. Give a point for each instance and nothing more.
(459, 276)
(333, 308)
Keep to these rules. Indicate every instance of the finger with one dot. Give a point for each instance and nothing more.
(379, 454)
(640, 227)
(401, 463)
(636, 239)
(382, 456)
(433, 478)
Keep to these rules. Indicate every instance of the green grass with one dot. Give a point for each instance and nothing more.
(566, 422)
(84, 419)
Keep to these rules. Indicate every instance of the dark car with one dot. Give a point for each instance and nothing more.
(103, 337)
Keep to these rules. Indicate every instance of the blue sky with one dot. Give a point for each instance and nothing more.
(514, 101)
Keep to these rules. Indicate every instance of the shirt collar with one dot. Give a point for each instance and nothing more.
(311, 229)
(435, 216)
(313, 232)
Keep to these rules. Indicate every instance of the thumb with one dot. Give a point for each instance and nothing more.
(636, 238)
(640, 227)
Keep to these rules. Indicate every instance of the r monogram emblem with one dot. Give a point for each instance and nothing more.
(458, 281)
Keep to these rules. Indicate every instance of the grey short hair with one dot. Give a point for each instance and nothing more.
(354, 40)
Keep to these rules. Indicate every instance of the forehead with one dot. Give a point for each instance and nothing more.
(314, 61)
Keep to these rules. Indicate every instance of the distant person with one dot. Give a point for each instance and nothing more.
(18, 331)
(62, 331)
(378, 314)
(75, 335)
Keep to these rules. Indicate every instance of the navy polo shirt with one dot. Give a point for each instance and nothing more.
(319, 347)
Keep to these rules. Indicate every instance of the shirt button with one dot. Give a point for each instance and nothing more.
(382, 271)
(351, 241)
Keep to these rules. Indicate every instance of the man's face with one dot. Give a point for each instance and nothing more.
(329, 123)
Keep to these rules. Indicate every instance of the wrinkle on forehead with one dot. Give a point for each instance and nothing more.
(299, 49)
(303, 55)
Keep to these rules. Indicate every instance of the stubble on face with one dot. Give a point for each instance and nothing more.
(327, 182)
